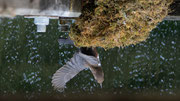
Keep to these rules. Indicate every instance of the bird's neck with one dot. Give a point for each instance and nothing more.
(89, 51)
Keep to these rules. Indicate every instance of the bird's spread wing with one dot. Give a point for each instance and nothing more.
(68, 71)
(91, 59)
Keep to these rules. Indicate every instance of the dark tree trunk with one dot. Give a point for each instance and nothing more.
(174, 13)
(175, 8)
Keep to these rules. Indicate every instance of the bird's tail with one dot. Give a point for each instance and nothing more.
(64, 41)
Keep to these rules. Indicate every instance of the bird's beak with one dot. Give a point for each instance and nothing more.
(101, 85)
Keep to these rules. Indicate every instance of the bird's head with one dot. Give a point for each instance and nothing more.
(98, 74)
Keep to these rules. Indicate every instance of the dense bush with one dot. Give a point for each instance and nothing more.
(117, 23)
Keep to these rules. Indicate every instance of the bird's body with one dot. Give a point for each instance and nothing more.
(85, 58)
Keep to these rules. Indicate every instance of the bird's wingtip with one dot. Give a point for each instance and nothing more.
(60, 90)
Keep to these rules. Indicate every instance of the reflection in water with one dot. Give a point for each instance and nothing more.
(28, 60)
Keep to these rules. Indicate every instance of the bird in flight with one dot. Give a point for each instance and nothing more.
(84, 58)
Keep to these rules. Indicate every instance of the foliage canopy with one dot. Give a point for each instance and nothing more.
(117, 23)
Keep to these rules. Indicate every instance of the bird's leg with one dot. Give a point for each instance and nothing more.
(101, 85)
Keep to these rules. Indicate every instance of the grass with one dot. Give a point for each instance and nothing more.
(132, 75)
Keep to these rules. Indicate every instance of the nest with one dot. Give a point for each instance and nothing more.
(117, 23)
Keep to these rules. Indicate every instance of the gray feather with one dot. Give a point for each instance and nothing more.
(68, 71)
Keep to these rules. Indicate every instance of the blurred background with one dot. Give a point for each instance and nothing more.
(28, 60)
